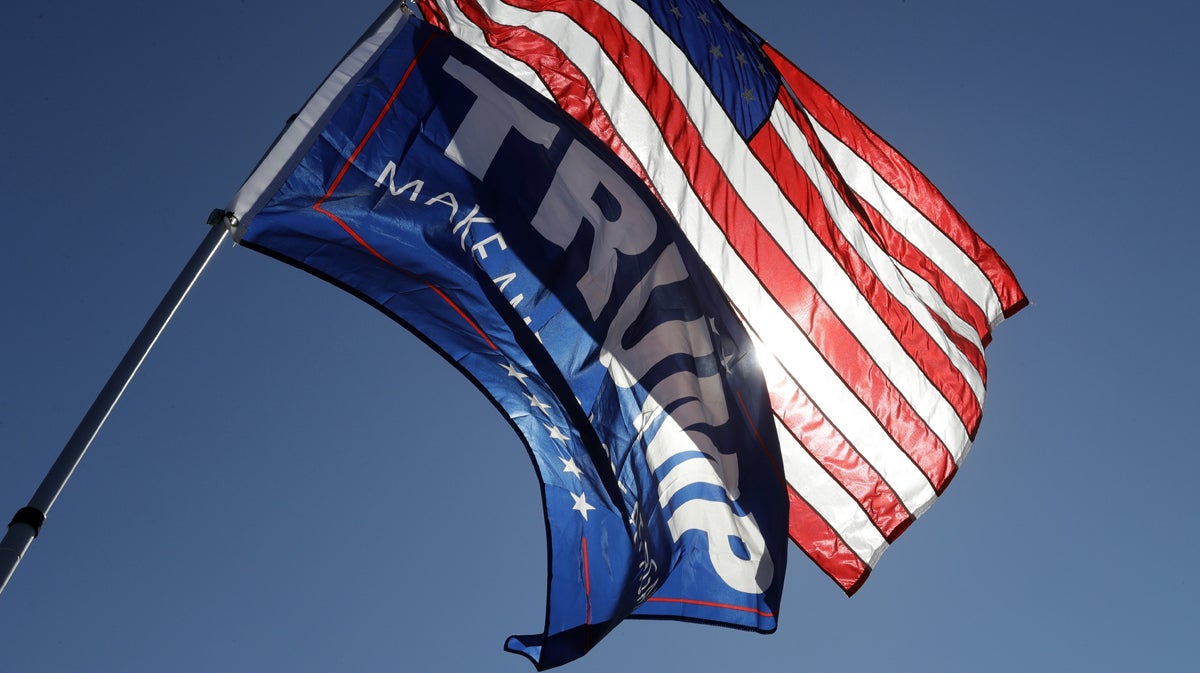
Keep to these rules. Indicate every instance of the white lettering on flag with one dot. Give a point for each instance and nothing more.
(625, 225)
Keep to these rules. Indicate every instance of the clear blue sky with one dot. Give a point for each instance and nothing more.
(293, 483)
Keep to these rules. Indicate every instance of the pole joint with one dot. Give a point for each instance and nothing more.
(30, 516)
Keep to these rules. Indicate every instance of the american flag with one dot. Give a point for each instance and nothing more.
(869, 296)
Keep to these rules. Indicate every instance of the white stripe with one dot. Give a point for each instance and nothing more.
(466, 30)
(951, 261)
(881, 264)
(757, 187)
(863, 432)
(751, 181)
(831, 501)
(765, 317)
(930, 296)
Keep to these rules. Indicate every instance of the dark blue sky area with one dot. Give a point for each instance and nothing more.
(294, 483)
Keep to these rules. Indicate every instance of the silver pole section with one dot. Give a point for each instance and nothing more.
(28, 520)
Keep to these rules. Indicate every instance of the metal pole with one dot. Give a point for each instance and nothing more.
(28, 520)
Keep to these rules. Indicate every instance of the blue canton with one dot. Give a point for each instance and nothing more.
(727, 54)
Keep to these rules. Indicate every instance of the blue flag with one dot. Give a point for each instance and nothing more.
(477, 214)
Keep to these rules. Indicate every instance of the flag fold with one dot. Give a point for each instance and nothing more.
(870, 298)
(476, 213)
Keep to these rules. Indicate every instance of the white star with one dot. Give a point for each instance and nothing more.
(537, 404)
(555, 433)
(581, 505)
(570, 467)
(741, 59)
(716, 51)
(727, 360)
(703, 16)
(512, 371)
(728, 25)
(676, 11)
(747, 95)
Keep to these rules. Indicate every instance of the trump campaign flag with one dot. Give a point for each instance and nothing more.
(870, 297)
(476, 213)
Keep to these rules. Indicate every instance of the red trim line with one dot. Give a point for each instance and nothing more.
(757, 436)
(690, 601)
(319, 205)
(587, 593)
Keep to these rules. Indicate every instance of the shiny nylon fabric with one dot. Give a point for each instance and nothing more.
(870, 297)
(640, 482)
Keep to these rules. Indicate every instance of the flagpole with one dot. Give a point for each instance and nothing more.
(28, 520)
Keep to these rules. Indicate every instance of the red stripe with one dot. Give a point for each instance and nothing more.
(799, 189)
(915, 260)
(969, 350)
(319, 205)
(911, 257)
(837, 455)
(821, 543)
(572, 90)
(902, 250)
(903, 177)
(850, 470)
(845, 567)
(433, 14)
(786, 284)
(761, 254)
(808, 529)
(954, 297)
